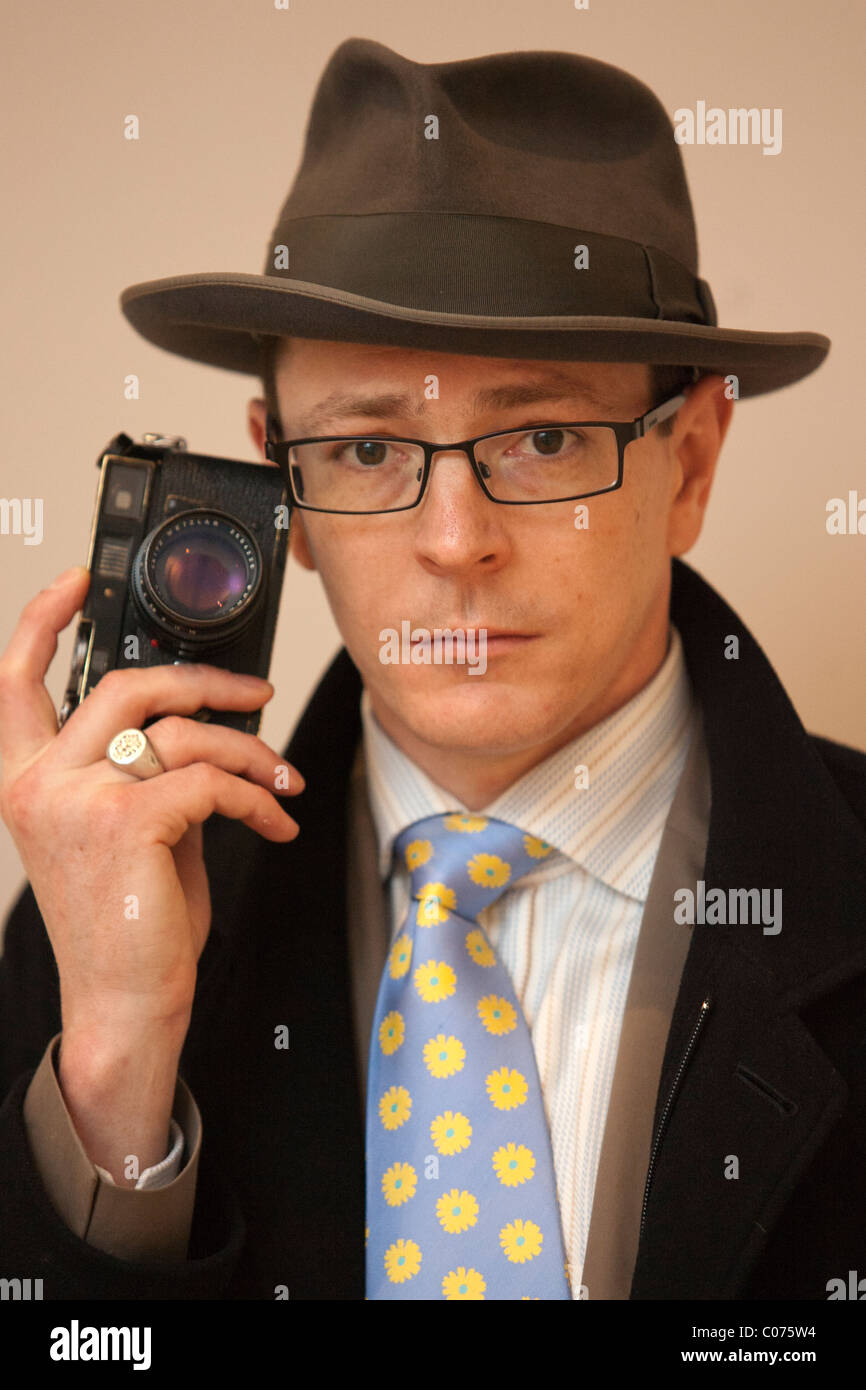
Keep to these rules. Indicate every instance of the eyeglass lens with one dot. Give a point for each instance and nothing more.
(546, 463)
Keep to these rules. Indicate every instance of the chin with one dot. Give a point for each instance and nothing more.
(480, 714)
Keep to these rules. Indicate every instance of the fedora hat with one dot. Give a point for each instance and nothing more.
(528, 204)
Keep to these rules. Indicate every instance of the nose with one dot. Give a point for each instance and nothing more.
(458, 453)
(458, 526)
(452, 475)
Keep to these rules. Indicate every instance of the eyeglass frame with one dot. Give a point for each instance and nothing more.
(626, 432)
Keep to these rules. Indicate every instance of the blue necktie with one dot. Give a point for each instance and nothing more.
(461, 1191)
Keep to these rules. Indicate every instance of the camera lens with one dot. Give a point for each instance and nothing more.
(198, 576)
(201, 576)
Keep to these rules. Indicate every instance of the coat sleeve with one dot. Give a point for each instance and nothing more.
(35, 1241)
(130, 1223)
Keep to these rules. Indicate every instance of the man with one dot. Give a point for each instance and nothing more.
(617, 835)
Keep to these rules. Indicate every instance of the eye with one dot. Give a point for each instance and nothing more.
(548, 442)
(366, 453)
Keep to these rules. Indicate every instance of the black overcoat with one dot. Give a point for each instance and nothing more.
(776, 1075)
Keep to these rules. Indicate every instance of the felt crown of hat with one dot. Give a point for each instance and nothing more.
(528, 204)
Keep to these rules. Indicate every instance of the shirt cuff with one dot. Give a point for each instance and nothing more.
(159, 1174)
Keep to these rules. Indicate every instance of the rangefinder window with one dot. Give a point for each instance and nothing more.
(124, 495)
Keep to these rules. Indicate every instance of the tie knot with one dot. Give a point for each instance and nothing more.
(460, 863)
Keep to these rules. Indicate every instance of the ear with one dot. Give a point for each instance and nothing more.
(299, 545)
(700, 426)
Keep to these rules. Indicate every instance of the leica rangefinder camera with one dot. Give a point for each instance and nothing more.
(187, 555)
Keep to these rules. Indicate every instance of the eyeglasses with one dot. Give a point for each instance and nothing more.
(363, 474)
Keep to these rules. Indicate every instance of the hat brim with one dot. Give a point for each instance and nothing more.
(219, 317)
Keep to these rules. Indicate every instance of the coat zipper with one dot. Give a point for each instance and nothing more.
(667, 1109)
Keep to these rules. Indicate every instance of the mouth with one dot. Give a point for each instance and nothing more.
(493, 636)
(498, 643)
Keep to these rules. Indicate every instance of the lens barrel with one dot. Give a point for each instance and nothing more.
(197, 578)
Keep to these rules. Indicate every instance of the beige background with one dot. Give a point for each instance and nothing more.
(222, 92)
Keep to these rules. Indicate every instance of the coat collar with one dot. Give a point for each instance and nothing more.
(774, 804)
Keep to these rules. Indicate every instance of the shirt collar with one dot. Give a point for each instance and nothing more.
(611, 826)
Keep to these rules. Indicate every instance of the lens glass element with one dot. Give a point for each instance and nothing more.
(201, 576)
(202, 569)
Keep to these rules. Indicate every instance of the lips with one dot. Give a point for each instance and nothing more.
(490, 632)
(504, 639)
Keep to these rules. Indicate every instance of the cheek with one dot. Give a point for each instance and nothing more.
(606, 541)
(645, 510)
(356, 565)
(603, 567)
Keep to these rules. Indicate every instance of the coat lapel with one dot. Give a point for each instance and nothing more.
(287, 1123)
(759, 1094)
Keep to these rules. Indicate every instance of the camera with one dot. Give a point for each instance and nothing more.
(187, 556)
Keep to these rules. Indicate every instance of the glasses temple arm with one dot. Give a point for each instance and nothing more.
(659, 413)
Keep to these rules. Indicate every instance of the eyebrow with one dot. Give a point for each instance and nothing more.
(556, 386)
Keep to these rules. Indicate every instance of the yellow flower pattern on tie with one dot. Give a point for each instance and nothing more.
(461, 1189)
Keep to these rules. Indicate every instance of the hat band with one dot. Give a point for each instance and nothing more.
(466, 263)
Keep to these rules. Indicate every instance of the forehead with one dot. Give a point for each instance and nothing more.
(327, 381)
(311, 355)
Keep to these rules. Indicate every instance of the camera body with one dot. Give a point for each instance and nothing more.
(187, 556)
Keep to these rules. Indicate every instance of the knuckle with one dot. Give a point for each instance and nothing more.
(10, 680)
(9, 804)
(110, 683)
(206, 774)
(20, 802)
(172, 730)
(33, 607)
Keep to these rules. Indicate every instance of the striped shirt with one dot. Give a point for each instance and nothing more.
(566, 932)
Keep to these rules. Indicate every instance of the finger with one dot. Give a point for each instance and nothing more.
(125, 699)
(179, 742)
(186, 796)
(192, 872)
(28, 719)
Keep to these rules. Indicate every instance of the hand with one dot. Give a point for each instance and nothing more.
(116, 863)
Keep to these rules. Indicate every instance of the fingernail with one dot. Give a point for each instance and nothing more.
(65, 577)
(254, 680)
